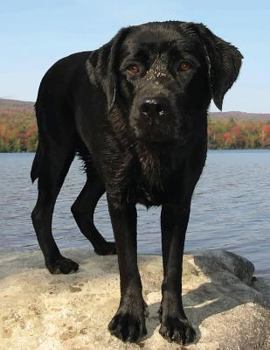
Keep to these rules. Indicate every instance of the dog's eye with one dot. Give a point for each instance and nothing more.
(133, 70)
(184, 66)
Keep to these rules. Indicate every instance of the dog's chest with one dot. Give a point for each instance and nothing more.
(151, 181)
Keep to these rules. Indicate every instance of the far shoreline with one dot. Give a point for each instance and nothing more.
(209, 149)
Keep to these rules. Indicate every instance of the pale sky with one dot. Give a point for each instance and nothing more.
(34, 34)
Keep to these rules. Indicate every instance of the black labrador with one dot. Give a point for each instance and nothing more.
(135, 111)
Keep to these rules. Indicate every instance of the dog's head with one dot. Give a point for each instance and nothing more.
(163, 76)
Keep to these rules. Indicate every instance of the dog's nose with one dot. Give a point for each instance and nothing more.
(154, 107)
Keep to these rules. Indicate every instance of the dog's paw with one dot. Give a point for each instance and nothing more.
(127, 326)
(178, 330)
(106, 248)
(62, 265)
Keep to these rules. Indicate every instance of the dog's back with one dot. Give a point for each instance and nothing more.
(53, 108)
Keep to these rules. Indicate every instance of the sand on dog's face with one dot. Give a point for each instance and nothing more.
(43, 311)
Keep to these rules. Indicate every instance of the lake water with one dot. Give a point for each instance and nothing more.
(230, 208)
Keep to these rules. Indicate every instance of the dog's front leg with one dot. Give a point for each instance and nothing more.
(174, 323)
(128, 323)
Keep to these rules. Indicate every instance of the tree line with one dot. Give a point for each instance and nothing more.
(18, 132)
(238, 133)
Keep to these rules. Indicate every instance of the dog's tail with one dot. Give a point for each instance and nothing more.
(35, 170)
(36, 165)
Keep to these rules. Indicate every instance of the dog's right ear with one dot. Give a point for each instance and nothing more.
(102, 66)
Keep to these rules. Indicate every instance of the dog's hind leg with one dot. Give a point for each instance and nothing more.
(83, 212)
(54, 163)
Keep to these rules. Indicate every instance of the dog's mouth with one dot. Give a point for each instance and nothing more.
(153, 130)
(160, 132)
(160, 140)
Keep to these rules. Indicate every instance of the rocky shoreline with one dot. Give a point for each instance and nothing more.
(227, 305)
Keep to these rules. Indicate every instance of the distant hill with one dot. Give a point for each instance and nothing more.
(241, 115)
(15, 104)
(27, 106)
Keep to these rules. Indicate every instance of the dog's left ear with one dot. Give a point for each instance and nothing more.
(224, 62)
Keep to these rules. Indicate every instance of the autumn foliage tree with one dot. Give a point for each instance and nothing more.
(265, 135)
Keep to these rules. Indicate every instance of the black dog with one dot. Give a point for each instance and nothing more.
(135, 111)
